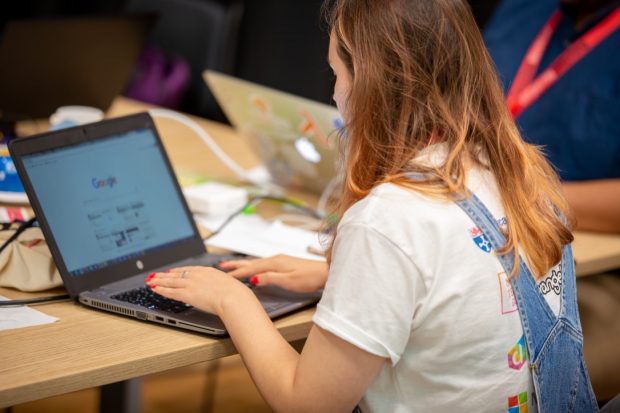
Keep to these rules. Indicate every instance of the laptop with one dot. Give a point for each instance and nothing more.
(112, 211)
(67, 61)
(296, 138)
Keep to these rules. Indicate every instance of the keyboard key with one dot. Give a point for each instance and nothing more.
(146, 298)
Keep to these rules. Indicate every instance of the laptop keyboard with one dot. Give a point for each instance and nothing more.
(144, 297)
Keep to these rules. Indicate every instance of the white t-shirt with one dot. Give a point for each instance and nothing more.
(412, 280)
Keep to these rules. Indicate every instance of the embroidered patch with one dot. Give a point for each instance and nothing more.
(517, 356)
(508, 300)
(518, 404)
(553, 282)
(481, 240)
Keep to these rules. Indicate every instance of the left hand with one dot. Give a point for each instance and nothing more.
(202, 287)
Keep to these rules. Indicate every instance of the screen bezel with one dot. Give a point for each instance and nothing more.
(190, 247)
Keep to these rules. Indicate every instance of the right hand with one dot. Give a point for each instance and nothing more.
(290, 273)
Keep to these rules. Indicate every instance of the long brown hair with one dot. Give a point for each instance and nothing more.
(420, 71)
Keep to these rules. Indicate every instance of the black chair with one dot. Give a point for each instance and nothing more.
(283, 44)
(204, 33)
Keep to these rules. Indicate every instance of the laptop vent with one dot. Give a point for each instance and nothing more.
(113, 308)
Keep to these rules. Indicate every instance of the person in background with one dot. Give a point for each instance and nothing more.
(560, 65)
(417, 313)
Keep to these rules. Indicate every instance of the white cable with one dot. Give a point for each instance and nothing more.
(206, 138)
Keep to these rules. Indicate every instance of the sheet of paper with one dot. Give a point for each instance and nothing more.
(210, 222)
(253, 235)
(18, 317)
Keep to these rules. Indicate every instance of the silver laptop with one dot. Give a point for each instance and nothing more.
(112, 211)
(296, 138)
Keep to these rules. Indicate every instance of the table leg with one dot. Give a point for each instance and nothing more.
(121, 397)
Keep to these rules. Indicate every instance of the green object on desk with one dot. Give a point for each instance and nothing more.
(249, 210)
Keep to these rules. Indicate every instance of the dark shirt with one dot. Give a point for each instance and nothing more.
(577, 120)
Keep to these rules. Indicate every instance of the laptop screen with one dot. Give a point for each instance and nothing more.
(108, 200)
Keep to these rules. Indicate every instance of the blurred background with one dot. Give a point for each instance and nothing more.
(277, 43)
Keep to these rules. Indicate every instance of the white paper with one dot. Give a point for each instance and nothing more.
(210, 222)
(22, 316)
(253, 235)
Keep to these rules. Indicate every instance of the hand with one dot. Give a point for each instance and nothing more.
(294, 274)
(202, 287)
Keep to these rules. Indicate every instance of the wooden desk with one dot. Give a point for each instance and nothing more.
(88, 348)
(595, 252)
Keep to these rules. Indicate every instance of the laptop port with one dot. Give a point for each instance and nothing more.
(141, 315)
(172, 321)
(158, 318)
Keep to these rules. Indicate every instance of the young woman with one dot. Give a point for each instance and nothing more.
(426, 306)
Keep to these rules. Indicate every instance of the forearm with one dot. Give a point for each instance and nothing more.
(330, 375)
(271, 361)
(596, 204)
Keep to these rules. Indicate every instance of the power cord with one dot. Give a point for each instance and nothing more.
(39, 300)
(258, 177)
(256, 200)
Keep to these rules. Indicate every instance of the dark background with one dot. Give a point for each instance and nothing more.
(278, 43)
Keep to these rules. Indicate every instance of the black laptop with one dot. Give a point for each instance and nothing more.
(112, 211)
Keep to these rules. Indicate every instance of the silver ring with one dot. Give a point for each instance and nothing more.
(184, 274)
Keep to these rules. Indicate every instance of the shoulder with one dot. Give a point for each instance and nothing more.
(391, 206)
(388, 204)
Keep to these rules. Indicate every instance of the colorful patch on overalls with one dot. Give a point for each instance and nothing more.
(481, 240)
(517, 356)
(508, 300)
(518, 404)
(552, 283)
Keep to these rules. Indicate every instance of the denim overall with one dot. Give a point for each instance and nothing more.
(554, 343)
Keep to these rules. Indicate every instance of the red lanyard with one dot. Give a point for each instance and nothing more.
(526, 89)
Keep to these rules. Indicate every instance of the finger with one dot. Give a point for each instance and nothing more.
(289, 281)
(186, 269)
(252, 267)
(168, 281)
(173, 293)
(282, 280)
(161, 275)
(232, 264)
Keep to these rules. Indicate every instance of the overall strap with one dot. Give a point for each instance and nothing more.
(537, 318)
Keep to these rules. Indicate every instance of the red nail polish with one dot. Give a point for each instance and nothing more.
(153, 286)
(254, 280)
(151, 275)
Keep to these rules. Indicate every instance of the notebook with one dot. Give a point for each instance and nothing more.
(296, 138)
(112, 211)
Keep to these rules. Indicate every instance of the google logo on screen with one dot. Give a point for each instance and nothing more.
(108, 182)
